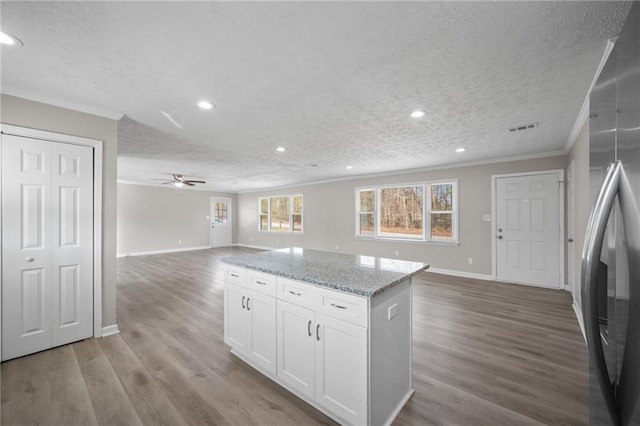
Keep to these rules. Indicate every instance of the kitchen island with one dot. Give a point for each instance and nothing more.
(334, 329)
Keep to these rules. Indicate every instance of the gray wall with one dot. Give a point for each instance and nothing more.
(329, 210)
(155, 218)
(580, 153)
(25, 113)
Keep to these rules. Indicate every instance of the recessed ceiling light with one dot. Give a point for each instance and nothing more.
(349, 167)
(11, 40)
(461, 149)
(418, 114)
(205, 105)
(281, 149)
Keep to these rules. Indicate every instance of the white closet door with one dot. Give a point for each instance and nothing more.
(47, 244)
(72, 243)
(26, 246)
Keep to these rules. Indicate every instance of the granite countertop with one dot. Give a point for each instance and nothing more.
(363, 275)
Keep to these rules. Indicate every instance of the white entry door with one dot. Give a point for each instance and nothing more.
(528, 239)
(47, 244)
(220, 222)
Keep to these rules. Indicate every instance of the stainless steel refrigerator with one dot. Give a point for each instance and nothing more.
(611, 256)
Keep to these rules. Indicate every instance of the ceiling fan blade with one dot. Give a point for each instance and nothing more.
(166, 183)
(188, 182)
(157, 179)
(194, 181)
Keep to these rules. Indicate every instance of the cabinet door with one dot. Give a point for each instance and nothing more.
(235, 317)
(261, 342)
(296, 347)
(341, 368)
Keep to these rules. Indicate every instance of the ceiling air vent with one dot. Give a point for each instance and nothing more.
(523, 127)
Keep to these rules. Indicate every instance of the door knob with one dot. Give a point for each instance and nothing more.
(499, 237)
(29, 259)
(570, 240)
(499, 229)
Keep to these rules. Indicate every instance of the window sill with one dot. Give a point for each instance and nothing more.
(281, 233)
(402, 240)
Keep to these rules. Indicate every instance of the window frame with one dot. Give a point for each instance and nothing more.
(291, 214)
(426, 237)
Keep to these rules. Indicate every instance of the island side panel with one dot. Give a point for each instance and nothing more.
(390, 369)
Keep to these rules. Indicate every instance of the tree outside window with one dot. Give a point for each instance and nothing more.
(401, 212)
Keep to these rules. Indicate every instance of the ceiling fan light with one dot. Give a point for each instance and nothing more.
(179, 184)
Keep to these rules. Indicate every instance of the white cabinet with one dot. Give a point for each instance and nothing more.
(323, 358)
(347, 355)
(341, 368)
(296, 347)
(250, 324)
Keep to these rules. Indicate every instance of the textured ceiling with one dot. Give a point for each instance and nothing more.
(333, 82)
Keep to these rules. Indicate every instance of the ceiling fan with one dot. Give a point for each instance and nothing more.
(180, 181)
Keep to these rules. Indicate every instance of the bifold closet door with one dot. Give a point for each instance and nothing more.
(47, 244)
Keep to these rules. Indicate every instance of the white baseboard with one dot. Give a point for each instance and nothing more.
(461, 274)
(144, 253)
(578, 313)
(110, 330)
(254, 247)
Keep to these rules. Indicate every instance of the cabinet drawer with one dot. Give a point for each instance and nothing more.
(299, 293)
(263, 283)
(236, 276)
(344, 306)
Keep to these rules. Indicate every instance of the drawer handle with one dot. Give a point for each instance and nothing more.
(294, 293)
(248, 307)
(338, 306)
(243, 297)
(309, 328)
(260, 282)
(318, 332)
(235, 275)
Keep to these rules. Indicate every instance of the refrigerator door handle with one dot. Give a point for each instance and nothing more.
(594, 239)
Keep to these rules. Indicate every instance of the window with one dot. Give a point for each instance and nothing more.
(220, 212)
(280, 214)
(366, 213)
(419, 212)
(441, 212)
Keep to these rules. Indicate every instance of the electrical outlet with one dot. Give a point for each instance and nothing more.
(397, 253)
(179, 241)
(277, 242)
(392, 312)
(470, 260)
(250, 238)
(336, 247)
(486, 217)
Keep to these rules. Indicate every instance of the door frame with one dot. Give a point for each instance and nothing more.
(97, 146)
(229, 218)
(561, 219)
(571, 211)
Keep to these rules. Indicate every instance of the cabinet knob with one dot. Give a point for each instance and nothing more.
(248, 308)
(243, 297)
(309, 328)
(499, 237)
(318, 332)
(29, 259)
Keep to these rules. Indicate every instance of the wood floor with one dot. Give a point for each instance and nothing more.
(484, 353)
